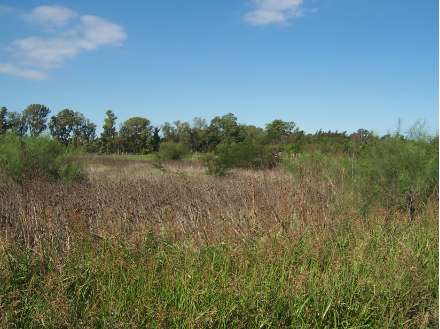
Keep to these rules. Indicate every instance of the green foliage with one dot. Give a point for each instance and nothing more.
(109, 133)
(330, 142)
(357, 277)
(398, 173)
(223, 129)
(214, 165)
(136, 135)
(71, 172)
(24, 158)
(3, 119)
(173, 151)
(35, 118)
(278, 131)
(16, 123)
(395, 173)
(69, 127)
(246, 154)
(318, 165)
(155, 140)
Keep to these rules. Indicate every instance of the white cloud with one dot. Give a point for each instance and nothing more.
(96, 31)
(28, 74)
(51, 16)
(273, 11)
(48, 52)
(42, 53)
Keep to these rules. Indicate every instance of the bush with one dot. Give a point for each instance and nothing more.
(24, 158)
(173, 151)
(214, 165)
(398, 173)
(319, 165)
(246, 154)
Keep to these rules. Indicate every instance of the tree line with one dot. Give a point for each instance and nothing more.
(137, 134)
(398, 170)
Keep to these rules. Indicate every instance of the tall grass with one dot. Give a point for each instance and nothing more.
(352, 275)
(254, 249)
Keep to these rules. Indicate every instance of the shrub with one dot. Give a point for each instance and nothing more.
(173, 151)
(214, 165)
(319, 165)
(23, 158)
(398, 173)
(246, 154)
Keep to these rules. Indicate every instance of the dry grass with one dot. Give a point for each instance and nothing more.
(141, 246)
(128, 197)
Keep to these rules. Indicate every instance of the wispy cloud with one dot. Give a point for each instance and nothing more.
(267, 12)
(69, 35)
(51, 16)
(29, 74)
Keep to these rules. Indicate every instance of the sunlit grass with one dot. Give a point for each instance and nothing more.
(375, 275)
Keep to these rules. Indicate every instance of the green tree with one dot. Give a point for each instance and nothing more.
(136, 134)
(63, 124)
(279, 131)
(223, 129)
(156, 139)
(199, 135)
(251, 132)
(72, 127)
(85, 132)
(3, 120)
(109, 133)
(35, 118)
(183, 132)
(16, 123)
(169, 132)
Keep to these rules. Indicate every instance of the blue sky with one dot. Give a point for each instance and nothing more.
(330, 64)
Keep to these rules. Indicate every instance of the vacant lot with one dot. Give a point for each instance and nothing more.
(147, 245)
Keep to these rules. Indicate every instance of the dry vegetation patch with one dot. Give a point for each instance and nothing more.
(139, 246)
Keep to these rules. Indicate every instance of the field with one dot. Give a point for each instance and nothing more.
(167, 246)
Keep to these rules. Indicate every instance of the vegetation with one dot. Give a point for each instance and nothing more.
(377, 276)
(399, 173)
(173, 151)
(324, 230)
(36, 157)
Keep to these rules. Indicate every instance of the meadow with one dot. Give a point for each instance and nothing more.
(144, 245)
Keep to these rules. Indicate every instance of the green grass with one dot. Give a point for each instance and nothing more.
(353, 275)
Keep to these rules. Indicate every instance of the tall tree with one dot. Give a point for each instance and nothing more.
(223, 128)
(3, 119)
(278, 131)
(169, 132)
(35, 118)
(156, 139)
(16, 123)
(85, 132)
(199, 135)
(183, 132)
(68, 126)
(109, 133)
(136, 134)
